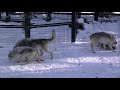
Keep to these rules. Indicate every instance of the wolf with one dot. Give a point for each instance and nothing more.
(39, 44)
(24, 54)
(106, 40)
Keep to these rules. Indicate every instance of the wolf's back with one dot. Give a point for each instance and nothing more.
(23, 42)
(30, 41)
(101, 34)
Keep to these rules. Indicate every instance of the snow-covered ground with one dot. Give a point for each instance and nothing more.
(71, 60)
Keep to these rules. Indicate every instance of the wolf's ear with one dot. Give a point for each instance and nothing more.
(53, 31)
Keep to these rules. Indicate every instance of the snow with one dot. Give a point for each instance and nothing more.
(71, 60)
(80, 20)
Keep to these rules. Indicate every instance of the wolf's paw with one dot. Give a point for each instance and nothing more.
(94, 52)
(114, 51)
(51, 58)
(18, 62)
(39, 61)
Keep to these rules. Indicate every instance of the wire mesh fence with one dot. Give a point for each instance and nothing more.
(12, 31)
(10, 34)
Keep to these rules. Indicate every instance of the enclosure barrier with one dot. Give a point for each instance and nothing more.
(27, 32)
(73, 23)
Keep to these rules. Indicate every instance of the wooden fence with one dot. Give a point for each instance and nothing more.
(73, 23)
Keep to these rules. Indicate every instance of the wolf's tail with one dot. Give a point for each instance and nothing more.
(53, 36)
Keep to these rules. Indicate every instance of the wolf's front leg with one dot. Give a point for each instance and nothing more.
(104, 46)
(51, 55)
(24, 61)
(39, 60)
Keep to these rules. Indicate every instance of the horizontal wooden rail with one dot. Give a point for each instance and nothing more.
(67, 13)
(36, 26)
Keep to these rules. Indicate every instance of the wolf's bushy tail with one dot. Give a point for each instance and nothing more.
(53, 36)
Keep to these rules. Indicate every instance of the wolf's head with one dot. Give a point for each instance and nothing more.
(113, 42)
(10, 55)
(114, 45)
(13, 54)
(110, 43)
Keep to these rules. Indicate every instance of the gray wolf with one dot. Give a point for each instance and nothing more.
(24, 55)
(40, 44)
(106, 40)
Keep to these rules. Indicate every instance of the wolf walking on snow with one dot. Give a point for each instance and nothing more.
(39, 44)
(106, 40)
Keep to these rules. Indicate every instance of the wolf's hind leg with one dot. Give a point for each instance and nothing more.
(93, 48)
(46, 49)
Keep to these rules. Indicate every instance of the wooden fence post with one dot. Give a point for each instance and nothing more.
(27, 24)
(78, 14)
(49, 16)
(7, 17)
(74, 27)
(96, 16)
(0, 15)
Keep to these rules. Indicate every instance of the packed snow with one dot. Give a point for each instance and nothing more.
(71, 59)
